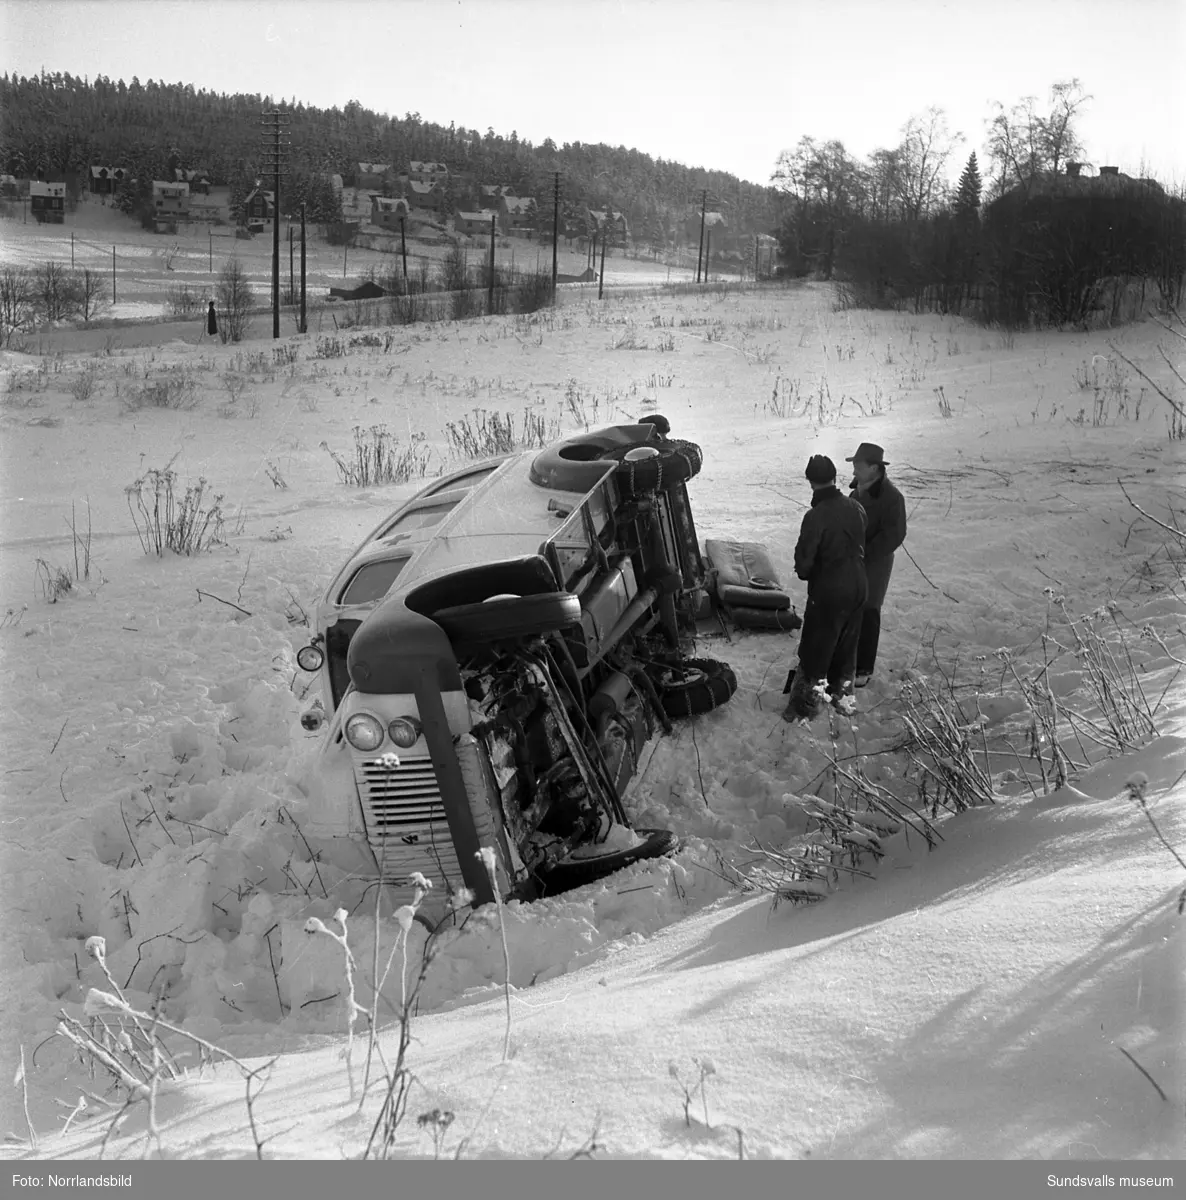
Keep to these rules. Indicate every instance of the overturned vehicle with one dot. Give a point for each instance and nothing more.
(495, 659)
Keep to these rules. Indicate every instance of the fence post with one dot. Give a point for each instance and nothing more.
(112, 274)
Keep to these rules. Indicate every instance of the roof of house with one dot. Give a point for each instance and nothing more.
(172, 185)
(484, 217)
(424, 189)
(427, 166)
(518, 203)
(370, 168)
(38, 187)
(388, 203)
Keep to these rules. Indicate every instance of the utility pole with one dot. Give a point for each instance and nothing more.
(403, 249)
(700, 248)
(493, 234)
(112, 274)
(555, 232)
(291, 281)
(276, 143)
(601, 277)
(304, 324)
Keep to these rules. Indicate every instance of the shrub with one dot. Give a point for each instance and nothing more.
(378, 458)
(82, 386)
(186, 524)
(17, 302)
(183, 300)
(234, 301)
(172, 388)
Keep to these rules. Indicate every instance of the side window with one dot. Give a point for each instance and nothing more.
(571, 547)
(372, 581)
(421, 518)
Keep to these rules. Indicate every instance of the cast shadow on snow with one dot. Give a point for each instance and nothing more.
(983, 850)
(1038, 1073)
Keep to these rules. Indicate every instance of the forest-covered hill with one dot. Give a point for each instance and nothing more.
(58, 125)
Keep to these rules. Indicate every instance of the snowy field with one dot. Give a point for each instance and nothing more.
(980, 999)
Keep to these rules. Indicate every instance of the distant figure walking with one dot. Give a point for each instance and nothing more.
(211, 321)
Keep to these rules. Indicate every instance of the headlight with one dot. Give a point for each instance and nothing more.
(405, 732)
(364, 732)
(310, 658)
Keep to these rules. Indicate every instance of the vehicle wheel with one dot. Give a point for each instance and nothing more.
(510, 617)
(697, 685)
(676, 462)
(565, 875)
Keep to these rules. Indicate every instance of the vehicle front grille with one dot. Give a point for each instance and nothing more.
(406, 824)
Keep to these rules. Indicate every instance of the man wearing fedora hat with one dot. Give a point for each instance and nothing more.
(885, 531)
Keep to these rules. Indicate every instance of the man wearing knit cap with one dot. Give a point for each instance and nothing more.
(885, 531)
(830, 555)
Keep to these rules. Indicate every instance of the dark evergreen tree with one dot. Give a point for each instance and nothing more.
(967, 195)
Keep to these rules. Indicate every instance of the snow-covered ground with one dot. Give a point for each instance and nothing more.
(968, 1001)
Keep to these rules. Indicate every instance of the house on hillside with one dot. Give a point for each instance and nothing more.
(198, 180)
(489, 194)
(388, 211)
(427, 196)
(715, 226)
(1109, 181)
(47, 202)
(427, 172)
(102, 181)
(373, 175)
(614, 223)
(475, 224)
(516, 214)
(9, 186)
(170, 200)
(259, 210)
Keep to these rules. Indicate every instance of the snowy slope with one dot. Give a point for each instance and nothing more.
(969, 1001)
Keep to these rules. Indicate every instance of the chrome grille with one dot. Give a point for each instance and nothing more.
(405, 822)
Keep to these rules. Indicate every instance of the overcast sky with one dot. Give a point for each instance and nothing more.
(724, 85)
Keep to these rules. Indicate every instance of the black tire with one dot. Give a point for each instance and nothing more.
(513, 617)
(697, 686)
(676, 462)
(575, 872)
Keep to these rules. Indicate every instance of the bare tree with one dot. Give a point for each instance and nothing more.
(1024, 143)
(829, 187)
(234, 300)
(56, 293)
(921, 158)
(17, 301)
(883, 184)
(90, 289)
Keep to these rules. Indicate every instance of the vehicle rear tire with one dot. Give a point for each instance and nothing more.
(512, 617)
(565, 875)
(697, 686)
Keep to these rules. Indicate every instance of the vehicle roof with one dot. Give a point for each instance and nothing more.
(508, 514)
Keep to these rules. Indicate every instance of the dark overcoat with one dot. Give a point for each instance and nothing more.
(885, 531)
(831, 548)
